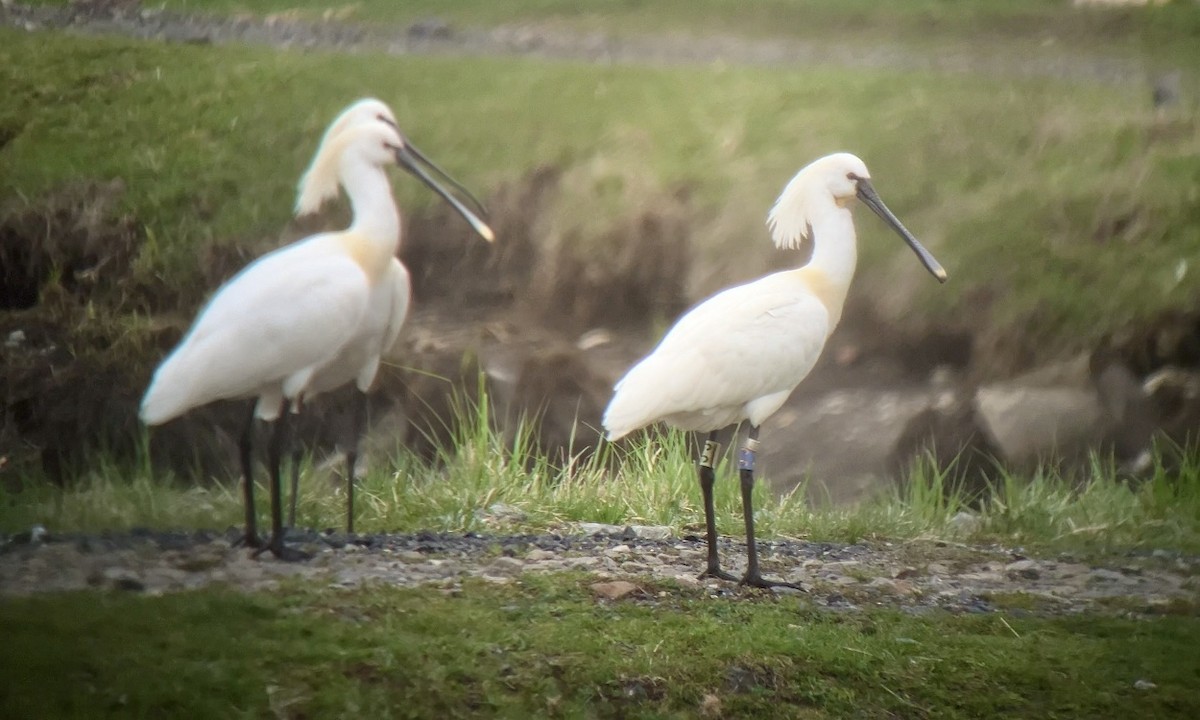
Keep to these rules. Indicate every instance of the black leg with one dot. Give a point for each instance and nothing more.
(358, 419)
(746, 469)
(250, 536)
(708, 459)
(297, 452)
(274, 458)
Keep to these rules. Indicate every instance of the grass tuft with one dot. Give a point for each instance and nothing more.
(650, 481)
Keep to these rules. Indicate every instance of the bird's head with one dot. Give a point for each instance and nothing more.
(376, 141)
(319, 183)
(367, 132)
(826, 185)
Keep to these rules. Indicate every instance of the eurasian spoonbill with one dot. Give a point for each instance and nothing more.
(738, 355)
(359, 358)
(274, 326)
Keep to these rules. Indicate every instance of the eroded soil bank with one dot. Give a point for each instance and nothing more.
(547, 327)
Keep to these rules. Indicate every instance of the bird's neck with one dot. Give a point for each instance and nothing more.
(375, 215)
(834, 256)
(835, 246)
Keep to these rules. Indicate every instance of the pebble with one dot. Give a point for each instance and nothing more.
(614, 590)
(507, 565)
(651, 532)
(157, 562)
(590, 528)
(966, 523)
(1027, 569)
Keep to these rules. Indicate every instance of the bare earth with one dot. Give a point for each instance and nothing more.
(918, 576)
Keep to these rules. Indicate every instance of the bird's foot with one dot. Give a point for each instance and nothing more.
(283, 552)
(758, 581)
(715, 572)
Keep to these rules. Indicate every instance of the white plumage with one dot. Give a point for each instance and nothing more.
(389, 296)
(311, 316)
(740, 354)
(737, 356)
(246, 343)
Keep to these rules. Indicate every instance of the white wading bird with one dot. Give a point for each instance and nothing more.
(359, 359)
(285, 318)
(738, 355)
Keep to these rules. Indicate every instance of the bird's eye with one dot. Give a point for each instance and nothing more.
(852, 177)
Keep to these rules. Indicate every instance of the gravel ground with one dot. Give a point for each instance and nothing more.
(916, 577)
(434, 36)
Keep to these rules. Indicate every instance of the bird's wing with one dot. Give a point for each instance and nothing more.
(402, 295)
(740, 345)
(399, 293)
(289, 311)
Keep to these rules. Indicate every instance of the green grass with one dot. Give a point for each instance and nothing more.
(650, 481)
(545, 648)
(1037, 195)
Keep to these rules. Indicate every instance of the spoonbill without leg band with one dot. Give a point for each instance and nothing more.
(359, 359)
(287, 316)
(740, 354)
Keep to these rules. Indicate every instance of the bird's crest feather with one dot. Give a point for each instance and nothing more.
(319, 183)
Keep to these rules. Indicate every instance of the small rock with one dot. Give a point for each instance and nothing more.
(507, 565)
(411, 556)
(651, 532)
(1104, 575)
(614, 590)
(15, 339)
(1026, 569)
(618, 550)
(905, 573)
(1144, 685)
(539, 555)
(590, 528)
(965, 522)
(937, 569)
